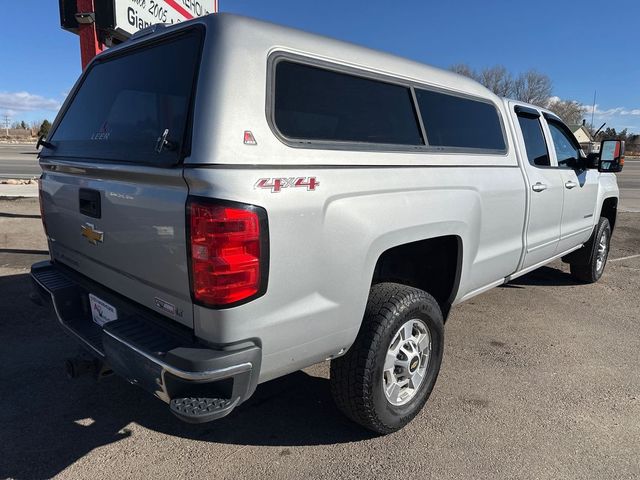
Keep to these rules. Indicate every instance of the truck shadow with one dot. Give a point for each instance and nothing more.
(50, 422)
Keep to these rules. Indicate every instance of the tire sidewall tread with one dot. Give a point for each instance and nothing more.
(356, 377)
(588, 273)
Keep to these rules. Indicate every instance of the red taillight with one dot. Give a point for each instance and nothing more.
(227, 252)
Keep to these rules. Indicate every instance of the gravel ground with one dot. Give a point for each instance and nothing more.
(539, 380)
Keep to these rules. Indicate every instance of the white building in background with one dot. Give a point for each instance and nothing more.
(584, 137)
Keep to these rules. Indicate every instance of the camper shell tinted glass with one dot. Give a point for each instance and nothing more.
(458, 122)
(134, 105)
(314, 103)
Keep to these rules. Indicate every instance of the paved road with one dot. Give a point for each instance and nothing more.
(18, 161)
(539, 381)
(629, 183)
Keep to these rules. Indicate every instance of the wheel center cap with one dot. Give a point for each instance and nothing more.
(413, 366)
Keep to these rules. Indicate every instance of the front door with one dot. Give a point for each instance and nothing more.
(580, 189)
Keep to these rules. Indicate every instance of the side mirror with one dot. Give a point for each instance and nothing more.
(593, 160)
(611, 156)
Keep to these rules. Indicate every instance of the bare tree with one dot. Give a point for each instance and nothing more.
(568, 110)
(498, 80)
(533, 87)
(464, 69)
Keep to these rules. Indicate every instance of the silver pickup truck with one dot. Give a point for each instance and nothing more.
(228, 201)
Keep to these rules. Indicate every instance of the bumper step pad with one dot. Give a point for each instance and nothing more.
(200, 410)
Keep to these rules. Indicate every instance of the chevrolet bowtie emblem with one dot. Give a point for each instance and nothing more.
(90, 233)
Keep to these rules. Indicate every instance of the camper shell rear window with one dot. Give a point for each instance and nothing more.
(134, 105)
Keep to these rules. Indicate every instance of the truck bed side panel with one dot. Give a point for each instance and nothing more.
(324, 245)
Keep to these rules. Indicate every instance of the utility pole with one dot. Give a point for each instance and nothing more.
(90, 43)
(7, 119)
(101, 23)
(593, 109)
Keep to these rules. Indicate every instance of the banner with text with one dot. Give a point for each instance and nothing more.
(133, 15)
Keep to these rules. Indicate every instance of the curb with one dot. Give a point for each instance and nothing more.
(8, 192)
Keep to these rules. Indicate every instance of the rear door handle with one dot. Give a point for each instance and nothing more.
(539, 187)
(570, 184)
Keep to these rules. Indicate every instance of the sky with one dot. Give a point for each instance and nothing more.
(581, 45)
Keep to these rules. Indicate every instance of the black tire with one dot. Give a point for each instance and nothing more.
(357, 377)
(589, 272)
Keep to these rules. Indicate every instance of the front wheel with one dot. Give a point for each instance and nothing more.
(593, 270)
(387, 375)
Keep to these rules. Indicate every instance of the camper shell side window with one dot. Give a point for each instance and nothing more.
(316, 104)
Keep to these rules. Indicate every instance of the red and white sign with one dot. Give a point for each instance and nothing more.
(134, 15)
(98, 21)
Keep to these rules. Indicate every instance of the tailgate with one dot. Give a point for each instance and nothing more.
(113, 194)
(124, 229)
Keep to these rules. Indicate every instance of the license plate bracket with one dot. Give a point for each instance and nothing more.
(101, 311)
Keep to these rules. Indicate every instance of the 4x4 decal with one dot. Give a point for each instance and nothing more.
(276, 185)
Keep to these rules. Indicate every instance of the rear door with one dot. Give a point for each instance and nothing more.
(545, 188)
(113, 192)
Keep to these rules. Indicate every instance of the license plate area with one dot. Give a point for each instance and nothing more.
(101, 311)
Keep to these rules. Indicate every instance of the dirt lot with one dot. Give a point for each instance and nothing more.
(540, 380)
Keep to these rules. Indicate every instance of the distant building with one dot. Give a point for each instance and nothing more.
(584, 137)
(581, 133)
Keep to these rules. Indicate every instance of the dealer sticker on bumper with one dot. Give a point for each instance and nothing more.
(101, 311)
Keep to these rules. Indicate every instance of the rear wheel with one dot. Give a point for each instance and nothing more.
(593, 270)
(387, 375)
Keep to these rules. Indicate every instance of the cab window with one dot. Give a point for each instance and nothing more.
(565, 147)
(534, 142)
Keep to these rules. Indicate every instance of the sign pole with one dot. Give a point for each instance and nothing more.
(90, 44)
(121, 19)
